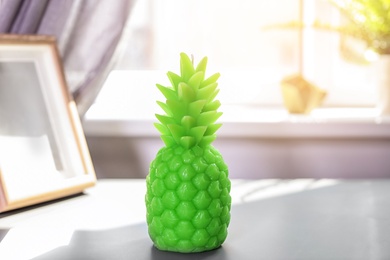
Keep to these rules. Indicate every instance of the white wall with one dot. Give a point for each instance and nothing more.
(129, 157)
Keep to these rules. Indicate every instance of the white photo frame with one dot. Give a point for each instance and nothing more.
(43, 151)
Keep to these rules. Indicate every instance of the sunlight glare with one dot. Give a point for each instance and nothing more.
(30, 242)
(264, 189)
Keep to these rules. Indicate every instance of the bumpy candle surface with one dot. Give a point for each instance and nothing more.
(187, 200)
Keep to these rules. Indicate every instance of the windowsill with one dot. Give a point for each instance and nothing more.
(126, 107)
(242, 122)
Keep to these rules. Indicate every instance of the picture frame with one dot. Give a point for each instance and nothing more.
(43, 151)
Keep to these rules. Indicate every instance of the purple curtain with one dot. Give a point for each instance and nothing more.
(87, 32)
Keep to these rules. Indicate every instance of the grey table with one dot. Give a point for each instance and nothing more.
(271, 219)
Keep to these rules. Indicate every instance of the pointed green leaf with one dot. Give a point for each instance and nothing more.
(195, 80)
(174, 79)
(196, 107)
(162, 129)
(212, 96)
(212, 129)
(212, 106)
(212, 79)
(207, 140)
(167, 92)
(187, 141)
(186, 67)
(206, 92)
(202, 65)
(165, 120)
(168, 140)
(198, 132)
(165, 108)
(186, 93)
(177, 131)
(178, 109)
(207, 118)
(188, 122)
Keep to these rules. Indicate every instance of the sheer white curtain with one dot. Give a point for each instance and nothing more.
(88, 33)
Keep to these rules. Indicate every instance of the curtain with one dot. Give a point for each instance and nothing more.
(88, 33)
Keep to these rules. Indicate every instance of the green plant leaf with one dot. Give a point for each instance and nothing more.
(195, 80)
(212, 96)
(186, 67)
(206, 92)
(202, 65)
(188, 122)
(174, 79)
(177, 131)
(187, 141)
(168, 140)
(165, 107)
(207, 140)
(208, 118)
(185, 92)
(195, 108)
(162, 129)
(212, 79)
(165, 120)
(167, 92)
(198, 132)
(211, 129)
(212, 106)
(179, 109)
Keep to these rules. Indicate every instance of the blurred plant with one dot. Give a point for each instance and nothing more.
(369, 21)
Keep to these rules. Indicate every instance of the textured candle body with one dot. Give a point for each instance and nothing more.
(187, 200)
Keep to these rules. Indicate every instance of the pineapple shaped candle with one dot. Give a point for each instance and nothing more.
(187, 199)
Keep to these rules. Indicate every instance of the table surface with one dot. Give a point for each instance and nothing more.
(271, 219)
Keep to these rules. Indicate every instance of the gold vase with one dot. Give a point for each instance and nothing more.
(301, 96)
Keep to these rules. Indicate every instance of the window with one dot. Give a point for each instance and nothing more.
(333, 61)
(251, 59)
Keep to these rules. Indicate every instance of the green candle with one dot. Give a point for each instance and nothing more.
(187, 199)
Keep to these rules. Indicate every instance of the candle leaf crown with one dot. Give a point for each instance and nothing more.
(191, 111)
